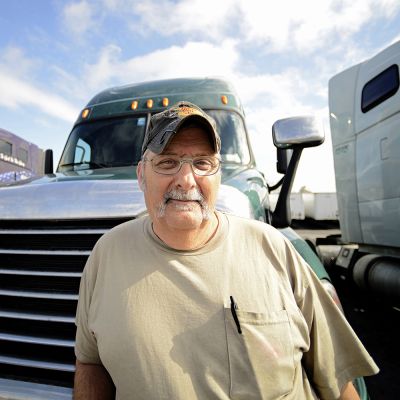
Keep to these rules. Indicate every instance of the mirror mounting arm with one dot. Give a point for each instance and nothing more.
(281, 217)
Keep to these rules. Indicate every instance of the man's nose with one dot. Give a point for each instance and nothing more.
(185, 177)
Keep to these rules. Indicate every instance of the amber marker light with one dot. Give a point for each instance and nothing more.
(149, 103)
(165, 102)
(85, 113)
(134, 105)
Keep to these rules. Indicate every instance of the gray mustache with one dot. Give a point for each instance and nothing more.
(174, 194)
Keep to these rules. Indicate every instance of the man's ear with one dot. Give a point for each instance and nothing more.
(140, 175)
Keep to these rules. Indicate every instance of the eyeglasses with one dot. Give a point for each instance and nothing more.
(171, 165)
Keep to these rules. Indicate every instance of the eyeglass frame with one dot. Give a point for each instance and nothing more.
(182, 161)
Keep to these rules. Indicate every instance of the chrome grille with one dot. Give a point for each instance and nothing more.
(41, 263)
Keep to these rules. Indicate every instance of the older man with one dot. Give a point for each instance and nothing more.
(190, 303)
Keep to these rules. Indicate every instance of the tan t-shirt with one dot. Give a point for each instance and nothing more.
(160, 320)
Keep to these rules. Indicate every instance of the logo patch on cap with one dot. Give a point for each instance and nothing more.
(184, 111)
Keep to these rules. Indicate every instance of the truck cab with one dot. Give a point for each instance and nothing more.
(107, 138)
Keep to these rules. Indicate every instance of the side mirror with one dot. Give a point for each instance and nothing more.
(305, 131)
(291, 136)
(48, 161)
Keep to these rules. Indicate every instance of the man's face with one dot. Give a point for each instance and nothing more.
(173, 200)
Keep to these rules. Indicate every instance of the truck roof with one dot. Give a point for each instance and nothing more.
(205, 92)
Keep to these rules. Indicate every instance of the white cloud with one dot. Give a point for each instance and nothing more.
(106, 69)
(68, 85)
(191, 59)
(206, 17)
(78, 17)
(14, 60)
(15, 93)
(16, 89)
(277, 90)
(113, 5)
(304, 26)
(308, 25)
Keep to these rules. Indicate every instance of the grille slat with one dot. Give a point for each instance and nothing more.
(36, 340)
(36, 364)
(27, 273)
(36, 317)
(39, 295)
(52, 232)
(45, 252)
(41, 263)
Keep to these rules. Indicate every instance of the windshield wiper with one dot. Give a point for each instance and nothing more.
(91, 164)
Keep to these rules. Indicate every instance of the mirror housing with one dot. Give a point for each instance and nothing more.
(305, 131)
(48, 161)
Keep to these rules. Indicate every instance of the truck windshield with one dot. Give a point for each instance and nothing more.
(118, 142)
(104, 144)
(234, 146)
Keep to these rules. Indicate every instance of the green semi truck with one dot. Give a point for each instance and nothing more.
(50, 224)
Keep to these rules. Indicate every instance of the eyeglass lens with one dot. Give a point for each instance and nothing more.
(171, 165)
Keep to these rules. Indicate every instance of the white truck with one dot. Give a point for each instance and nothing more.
(364, 105)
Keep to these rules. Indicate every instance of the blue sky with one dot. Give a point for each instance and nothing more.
(55, 55)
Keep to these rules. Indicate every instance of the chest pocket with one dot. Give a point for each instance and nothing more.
(261, 359)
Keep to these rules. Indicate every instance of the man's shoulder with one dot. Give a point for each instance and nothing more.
(252, 225)
(122, 231)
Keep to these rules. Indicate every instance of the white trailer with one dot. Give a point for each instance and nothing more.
(321, 206)
(364, 105)
(297, 210)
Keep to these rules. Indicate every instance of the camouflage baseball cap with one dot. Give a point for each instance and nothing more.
(164, 125)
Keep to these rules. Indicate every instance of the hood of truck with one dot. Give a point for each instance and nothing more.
(111, 193)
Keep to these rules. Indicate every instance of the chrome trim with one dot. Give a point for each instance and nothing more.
(65, 231)
(55, 198)
(36, 340)
(23, 362)
(19, 390)
(38, 295)
(64, 274)
(48, 252)
(36, 317)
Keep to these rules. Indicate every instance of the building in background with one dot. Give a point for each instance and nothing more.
(19, 159)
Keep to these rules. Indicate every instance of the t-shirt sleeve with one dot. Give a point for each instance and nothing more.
(86, 350)
(336, 355)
